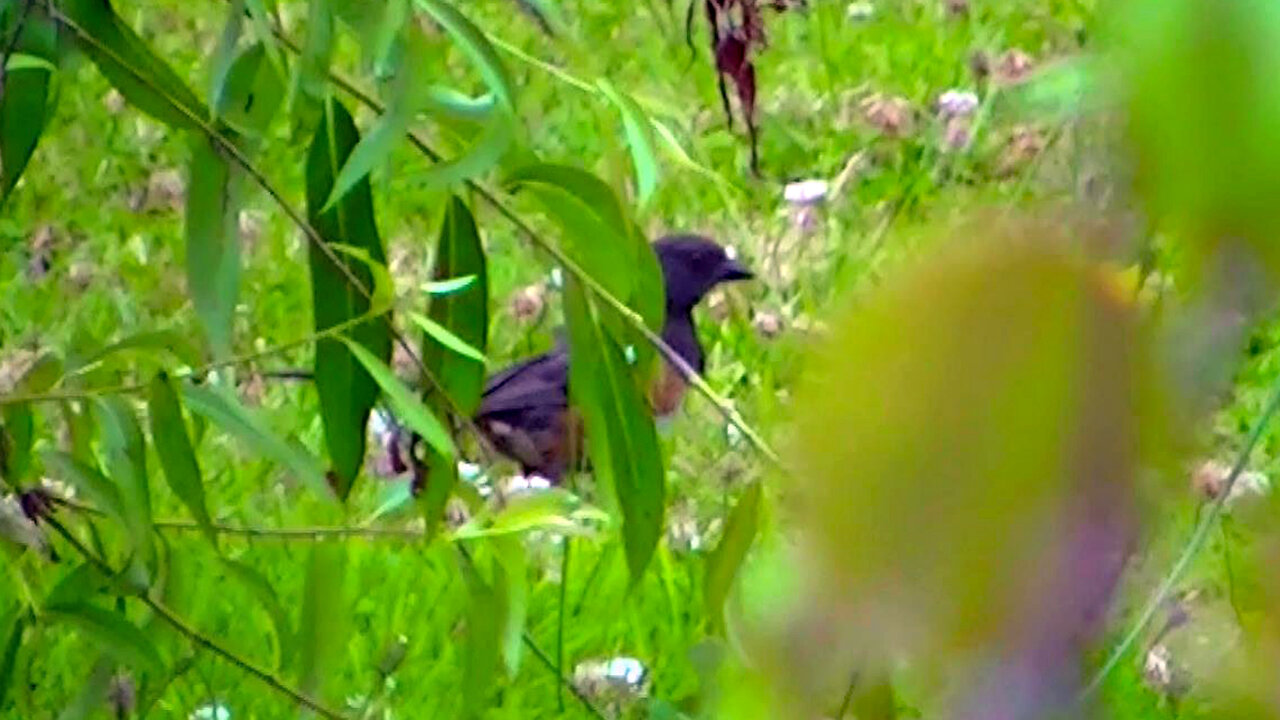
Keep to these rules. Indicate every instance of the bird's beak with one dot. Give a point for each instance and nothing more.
(733, 270)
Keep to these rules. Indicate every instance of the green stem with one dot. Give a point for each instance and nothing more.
(1194, 543)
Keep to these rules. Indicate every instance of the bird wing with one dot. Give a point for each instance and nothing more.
(539, 382)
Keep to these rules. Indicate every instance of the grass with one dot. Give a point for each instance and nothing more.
(115, 268)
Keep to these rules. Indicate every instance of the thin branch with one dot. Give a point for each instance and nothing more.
(245, 359)
(195, 636)
(1194, 543)
(262, 533)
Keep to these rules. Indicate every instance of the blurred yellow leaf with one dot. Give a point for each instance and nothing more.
(960, 434)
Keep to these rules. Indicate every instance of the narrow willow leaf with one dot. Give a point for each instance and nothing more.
(311, 81)
(346, 389)
(442, 335)
(605, 243)
(407, 408)
(481, 156)
(17, 431)
(224, 410)
(225, 51)
(262, 23)
(24, 105)
(97, 683)
(177, 457)
(124, 450)
(446, 287)
(555, 510)
(123, 57)
(213, 241)
(88, 482)
(81, 584)
(622, 441)
(175, 343)
(485, 615)
(513, 594)
(253, 92)
(394, 16)
(473, 43)
(407, 95)
(14, 626)
(321, 629)
(464, 314)
(726, 559)
(265, 594)
(639, 139)
(113, 634)
(444, 100)
(372, 150)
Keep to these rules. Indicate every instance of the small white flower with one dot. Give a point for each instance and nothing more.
(629, 352)
(212, 711)
(733, 435)
(731, 252)
(556, 281)
(525, 484)
(859, 11)
(806, 192)
(468, 471)
(957, 103)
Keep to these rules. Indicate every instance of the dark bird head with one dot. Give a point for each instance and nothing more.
(691, 266)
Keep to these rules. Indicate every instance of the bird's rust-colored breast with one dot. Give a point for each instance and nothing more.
(667, 390)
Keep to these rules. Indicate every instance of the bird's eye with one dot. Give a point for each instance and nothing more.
(730, 252)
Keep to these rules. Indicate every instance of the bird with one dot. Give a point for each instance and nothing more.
(524, 410)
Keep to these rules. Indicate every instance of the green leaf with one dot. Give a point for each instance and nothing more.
(321, 629)
(602, 239)
(406, 407)
(113, 634)
(442, 335)
(125, 60)
(24, 108)
(464, 315)
(485, 618)
(347, 391)
(475, 46)
(84, 582)
(622, 441)
(177, 457)
(726, 559)
(175, 343)
(605, 244)
(14, 625)
(88, 482)
(372, 150)
(225, 52)
(311, 81)
(17, 432)
(639, 139)
(124, 449)
(444, 100)
(482, 155)
(213, 241)
(262, 23)
(253, 92)
(449, 286)
(93, 690)
(265, 594)
(224, 410)
(555, 509)
(513, 594)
